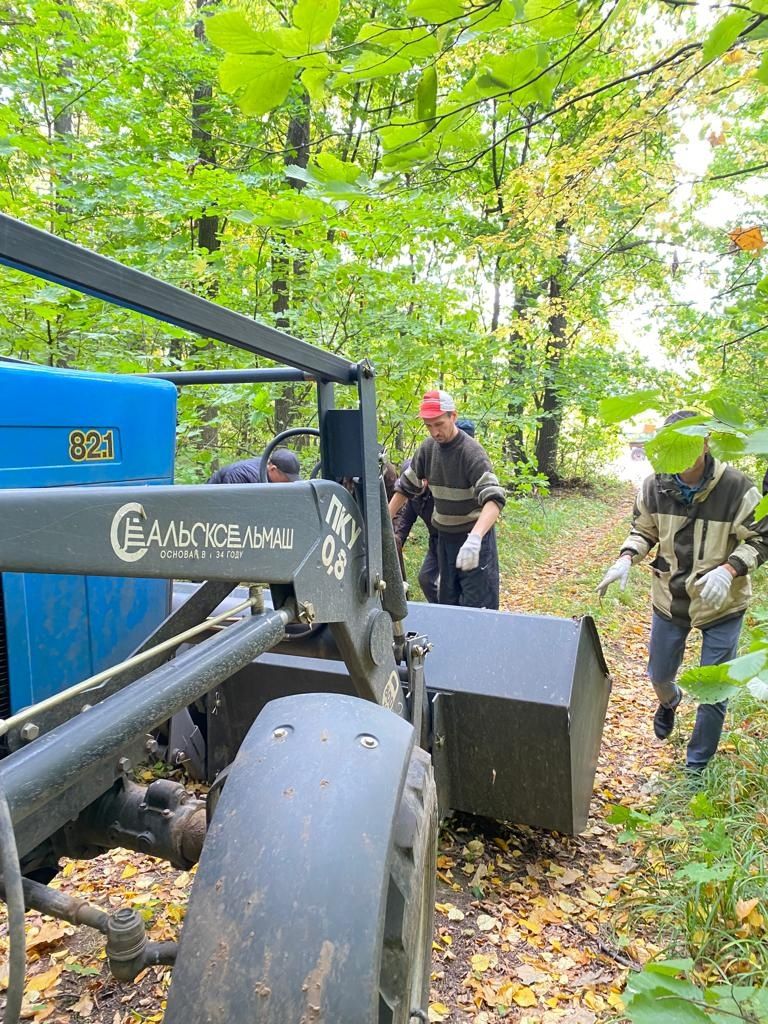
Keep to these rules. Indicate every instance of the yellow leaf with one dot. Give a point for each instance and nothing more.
(594, 1001)
(480, 962)
(49, 934)
(757, 921)
(525, 996)
(748, 239)
(531, 925)
(745, 907)
(438, 1011)
(40, 982)
(506, 992)
(615, 1000)
(129, 871)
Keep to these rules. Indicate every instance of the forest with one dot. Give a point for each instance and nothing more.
(534, 205)
(557, 210)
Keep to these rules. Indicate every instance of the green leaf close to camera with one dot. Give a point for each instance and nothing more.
(756, 442)
(726, 446)
(761, 509)
(231, 31)
(724, 34)
(648, 1009)
(371, 64)
(673, 452)
(426, 95)
(436, 11)
(315, 19)
(726, 411)
(624, 407)
(711, 683)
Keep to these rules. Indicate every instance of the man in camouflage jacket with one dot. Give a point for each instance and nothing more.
(701, 523)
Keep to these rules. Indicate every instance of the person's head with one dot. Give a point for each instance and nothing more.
(438, 410)
(686, 414)
(468, 426)
(283, 467)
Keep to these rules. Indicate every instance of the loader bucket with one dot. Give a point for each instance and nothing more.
(518, 706)
(518, 709)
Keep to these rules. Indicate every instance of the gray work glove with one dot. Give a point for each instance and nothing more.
(619, 571)
(715, 586)
(469, 553)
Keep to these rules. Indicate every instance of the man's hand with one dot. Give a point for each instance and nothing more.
(618, 571)
(469, 553)
(715, 586)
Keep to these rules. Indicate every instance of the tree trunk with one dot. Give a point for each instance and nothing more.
(206, 225)
(514, 442)
(551, 412)
(296, 152)
(60, 131)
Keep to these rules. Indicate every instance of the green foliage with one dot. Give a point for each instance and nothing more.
(724, 34)
(672, 451)
(666, 989)
(474, 177)
(704, 869)
(624, 407)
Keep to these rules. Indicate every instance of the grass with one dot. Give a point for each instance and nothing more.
(701, 890)
(530, 530)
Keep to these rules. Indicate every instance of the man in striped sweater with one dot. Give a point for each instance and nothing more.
(701, 522)
(468, 499)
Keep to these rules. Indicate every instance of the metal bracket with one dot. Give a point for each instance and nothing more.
(417, 647)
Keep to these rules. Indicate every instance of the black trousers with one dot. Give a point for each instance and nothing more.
(430, 571)
(478, 588)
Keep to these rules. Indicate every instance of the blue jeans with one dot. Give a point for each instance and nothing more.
(665, 655)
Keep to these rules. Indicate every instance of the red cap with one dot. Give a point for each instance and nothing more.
(435, 403)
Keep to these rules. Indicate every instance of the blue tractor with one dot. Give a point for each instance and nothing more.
(260, 635)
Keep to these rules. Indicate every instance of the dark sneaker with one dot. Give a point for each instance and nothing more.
(664, 721)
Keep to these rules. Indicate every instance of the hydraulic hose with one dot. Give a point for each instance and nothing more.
(14, 898)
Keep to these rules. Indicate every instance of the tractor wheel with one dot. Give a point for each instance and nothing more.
(314, 896)
(407, 954)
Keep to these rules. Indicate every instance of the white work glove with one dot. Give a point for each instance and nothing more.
(618, 571)
(715, 585)
(469, 553)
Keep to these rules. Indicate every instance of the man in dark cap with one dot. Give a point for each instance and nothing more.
(282, 468)
(701, 522)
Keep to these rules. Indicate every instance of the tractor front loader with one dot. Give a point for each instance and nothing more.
(280, 669)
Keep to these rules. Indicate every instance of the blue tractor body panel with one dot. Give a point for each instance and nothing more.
(60, 428)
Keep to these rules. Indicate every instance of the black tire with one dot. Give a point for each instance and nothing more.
(314, 896)
(407, 954)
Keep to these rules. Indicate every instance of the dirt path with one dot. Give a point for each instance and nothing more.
(526, 927)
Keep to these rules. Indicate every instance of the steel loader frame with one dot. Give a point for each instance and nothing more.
(281, 926)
